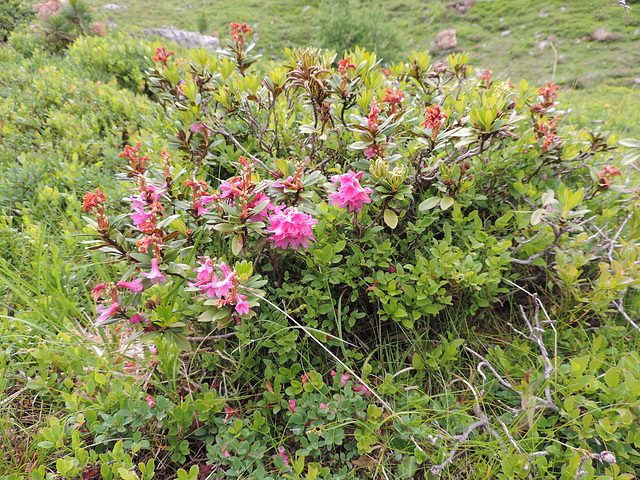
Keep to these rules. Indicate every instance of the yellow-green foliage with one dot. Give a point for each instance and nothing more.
(117, 55)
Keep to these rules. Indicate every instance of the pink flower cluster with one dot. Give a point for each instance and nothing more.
(223, 287)
(149, 196)
(111, 306)
(291, 227)
(350, 193)
(235, 190)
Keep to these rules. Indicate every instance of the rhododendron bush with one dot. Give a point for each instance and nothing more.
(399, 191)
(324, 204)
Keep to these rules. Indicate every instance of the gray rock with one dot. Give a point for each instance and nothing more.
(636, 33)
(461, 6)
(602, 34)
(185, 38)
(113, 6)
(305, 9)
(446, 40)
(562, 9)
(505, 33)
(543, 13)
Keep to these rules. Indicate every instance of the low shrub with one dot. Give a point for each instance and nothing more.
(118, 55)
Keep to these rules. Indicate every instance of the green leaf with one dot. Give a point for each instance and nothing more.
(611, 377)
(536, 217)
(224, 227)
(446, 202)
(630, 142)
(236, 244)
(417, 362)
(408, 467)
(630, 158)
(429, 203)
(390, 218)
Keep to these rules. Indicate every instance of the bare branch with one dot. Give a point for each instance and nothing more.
(619, 304)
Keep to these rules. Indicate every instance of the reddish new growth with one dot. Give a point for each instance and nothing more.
(433, 120)
(138, 164)
(605, 176)
(486, 78)
(373, 116)
(96, 202)
(548, 130)
(345, 65)
(292, 184)
(549, 94)
(238, 33)
(161, 56)
(241, 191)
(393, 99)
(199, 198)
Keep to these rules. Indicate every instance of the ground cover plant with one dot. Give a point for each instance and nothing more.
(317, 268)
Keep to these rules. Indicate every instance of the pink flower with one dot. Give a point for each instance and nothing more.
(134, 285)
(229, 188)
(350, 193)
(97, 290)
(281, 452)
(137, 318)
(361, 388)
(344, 377)
(200, 210)
(195, 128)
(150, 401)
(374, 151)
(225, 451)
(153, 350)
(292, 405)
(138, 202)
(223, 286)
(155, 192)
(258, 199)
(323, 405)
(141, 217)
(105, 313)
(242, 307)
(434, 118)
(205, 269)
(156, 275)
(291, 227)
(229, 412)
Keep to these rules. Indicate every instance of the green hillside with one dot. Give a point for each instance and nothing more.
(514, 38)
